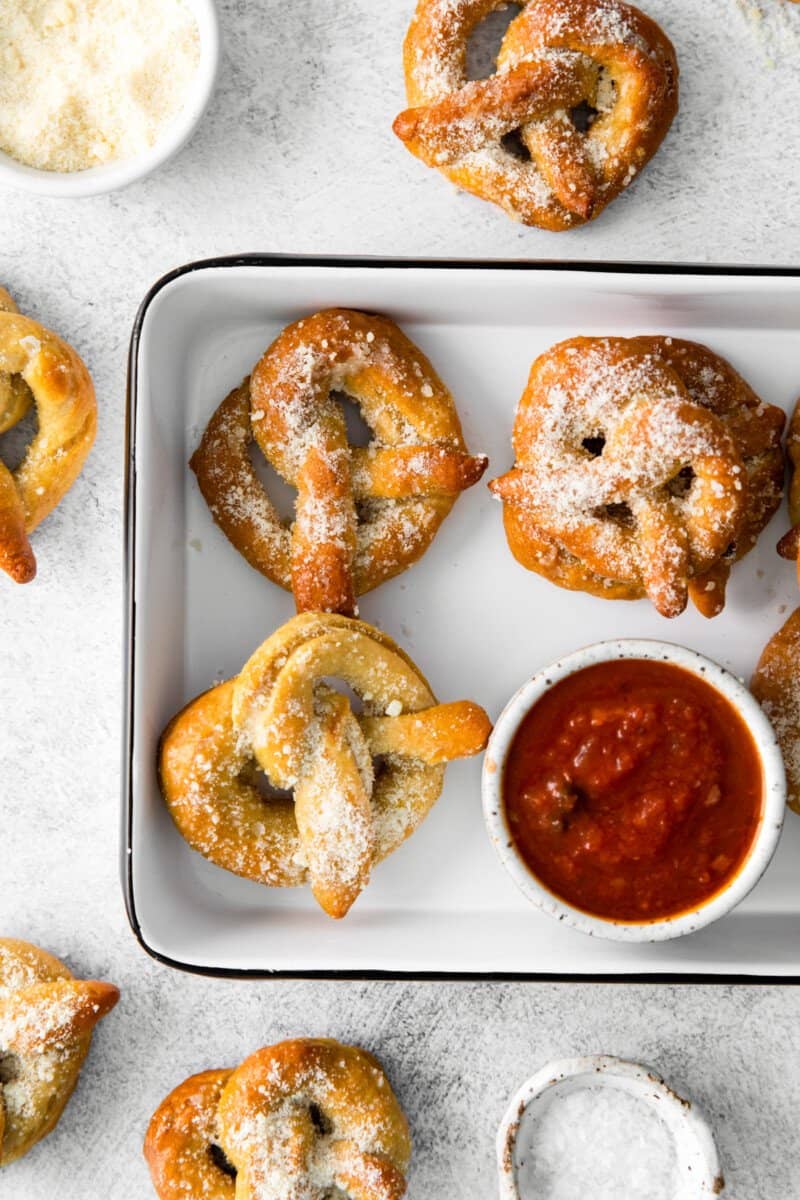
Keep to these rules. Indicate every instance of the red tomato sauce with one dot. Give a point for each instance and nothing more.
(633, 790)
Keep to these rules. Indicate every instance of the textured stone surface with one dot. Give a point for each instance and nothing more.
(296, 155)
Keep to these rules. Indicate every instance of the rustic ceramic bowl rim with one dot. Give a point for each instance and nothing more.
(115, 175)
(696, 1150)
(764, 843)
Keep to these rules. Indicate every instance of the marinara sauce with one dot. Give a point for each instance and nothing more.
(633, 790)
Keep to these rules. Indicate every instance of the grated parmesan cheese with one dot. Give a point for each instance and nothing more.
(88, 82)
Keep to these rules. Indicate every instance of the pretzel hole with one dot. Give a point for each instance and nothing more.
(221, 1161)
(380, 766)
(322, 1125)
(359, 432)
(594, 445)
(619, 514)
(513, 144)
(334, 684)
(680, 486)
(9, 1068)
(15, 441)
(486, 39)
(366, 511)
(255, 778)
(281, 493)
(583, 116)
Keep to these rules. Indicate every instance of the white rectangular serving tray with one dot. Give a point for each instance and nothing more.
(475, 621)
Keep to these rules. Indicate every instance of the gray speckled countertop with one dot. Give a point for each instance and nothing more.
(296, 155)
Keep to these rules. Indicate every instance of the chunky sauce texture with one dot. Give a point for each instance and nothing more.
(633, 790)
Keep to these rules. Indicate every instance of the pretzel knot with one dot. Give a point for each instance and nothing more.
(363, 514)
(362, 783)
(589, 86)
(645, 466)
(308, 1118)
(37, 367)
(46, 1023)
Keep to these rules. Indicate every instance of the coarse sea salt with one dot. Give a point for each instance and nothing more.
(598, 1142)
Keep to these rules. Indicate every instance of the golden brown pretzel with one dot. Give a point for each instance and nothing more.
(306, 1118)
(776, 685)
(280, 717)
(558, 56)
(46, 1023)
(362, 514)
(645, 466)
(36, 365)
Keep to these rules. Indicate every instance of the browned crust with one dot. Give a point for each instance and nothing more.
(744, 490)
(264, 720)
(456, 125)
(362, 515)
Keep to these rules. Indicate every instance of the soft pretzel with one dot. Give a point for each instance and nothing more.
(308, 1118)
(280, 718)
(46, 1023)
(789, 545)
(645, 466)
(560, 59)
(776, 685)
(37, 366)
(363, 514)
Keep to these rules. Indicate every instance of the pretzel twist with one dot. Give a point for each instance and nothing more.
(37, 366)
(363, 514)
(280, 717)
(303, 1118)
(645, 466)
(557, 56)
(46, 1023)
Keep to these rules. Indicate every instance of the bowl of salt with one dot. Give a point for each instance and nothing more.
(606, 1128)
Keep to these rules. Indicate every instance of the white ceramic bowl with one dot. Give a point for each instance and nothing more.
(176, 134)
(764, 843)
(696, 1154)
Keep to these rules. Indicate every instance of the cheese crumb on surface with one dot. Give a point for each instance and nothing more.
(88, 82)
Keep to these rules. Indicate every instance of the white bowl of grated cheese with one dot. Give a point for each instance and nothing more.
(101, 93)
(602, 1127)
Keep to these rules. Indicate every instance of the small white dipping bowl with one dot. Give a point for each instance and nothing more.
(696, 1154)
(764, 842)
(122, 172)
